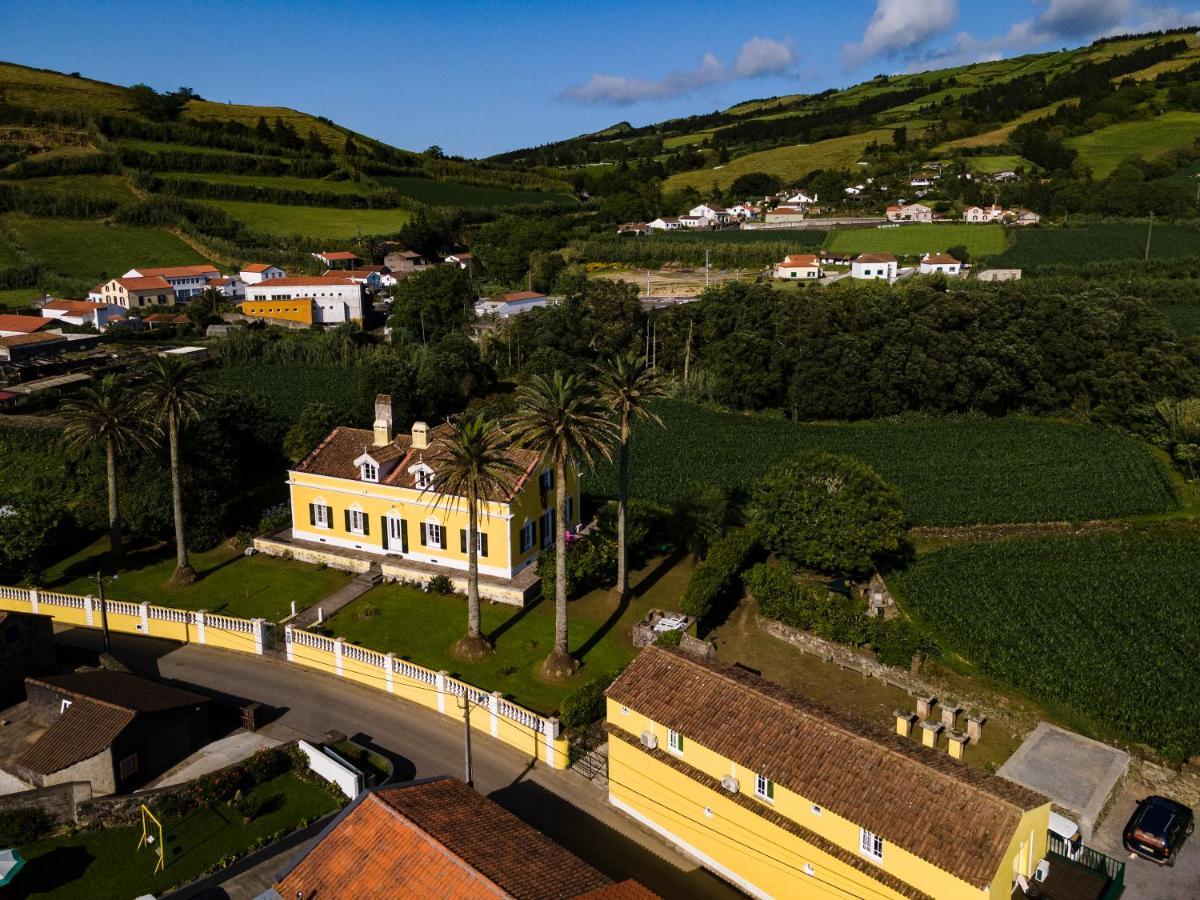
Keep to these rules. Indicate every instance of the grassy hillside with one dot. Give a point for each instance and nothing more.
(314, 221)
(1105, 148)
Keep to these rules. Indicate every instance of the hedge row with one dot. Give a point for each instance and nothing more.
(716, 582)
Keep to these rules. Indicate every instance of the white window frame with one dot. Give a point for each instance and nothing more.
(394, 527)
(870, 845)
(322, 514)
(370, 472)
(528, 537)
(764, 788)
(423, 478)
(435, 535)
(674, 741)
(358, 520)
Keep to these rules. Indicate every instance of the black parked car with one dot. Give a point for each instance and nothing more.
(1158, 828)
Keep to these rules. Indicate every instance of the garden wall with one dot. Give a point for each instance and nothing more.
(62, 802)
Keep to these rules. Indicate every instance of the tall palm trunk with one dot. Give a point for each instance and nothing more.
(184, 574)
(560, 565)
(622, 501)
(473, 627)
(114, 503)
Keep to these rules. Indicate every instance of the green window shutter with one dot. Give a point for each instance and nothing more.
(424, 535)
(462, 540)
(312, 514)
(366, 525)
(770, 789)
(383, 531)
(403, 535)
(347, 521)
(483, 543)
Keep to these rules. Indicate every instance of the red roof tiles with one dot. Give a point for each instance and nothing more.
(23, 324)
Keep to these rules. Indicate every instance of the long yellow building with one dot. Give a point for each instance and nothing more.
(784, 797)
(377, 491)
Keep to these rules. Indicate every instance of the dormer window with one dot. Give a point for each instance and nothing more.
(422, 476)
(370, 471)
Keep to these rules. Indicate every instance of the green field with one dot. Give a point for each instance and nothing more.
(788, 163)
(989, 165)
(1104, 625)
(17, 298)
(951, 471)
(106, 864)
(1095, 243)
(96, 250)
(803, 238)
(99, 187)
(1105, 148)
(916, 239)
(288, 387)
(449, 193)
(281, 182)
(314, 221)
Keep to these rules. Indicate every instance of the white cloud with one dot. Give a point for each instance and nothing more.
(900, 25)
(756, 57)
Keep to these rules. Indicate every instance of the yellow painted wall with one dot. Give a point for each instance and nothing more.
(1033, 834)
(287, 310)
(501, 522)
(633, 774)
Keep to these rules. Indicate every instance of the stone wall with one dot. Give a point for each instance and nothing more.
(508, 594)
(61, 802)
(332, 558)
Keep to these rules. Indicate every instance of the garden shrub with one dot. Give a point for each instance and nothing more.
(440, 584)
(23, 826)
(267, 764)
(669, 638)
(586, 705)
(896, 641)
(591, 563)
(715, 583)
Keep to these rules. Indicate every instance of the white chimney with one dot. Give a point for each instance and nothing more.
(420, 436)
(383, 420)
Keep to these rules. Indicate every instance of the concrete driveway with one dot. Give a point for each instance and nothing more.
(1145, 880)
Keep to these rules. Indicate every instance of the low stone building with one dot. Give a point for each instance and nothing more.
(112, 729)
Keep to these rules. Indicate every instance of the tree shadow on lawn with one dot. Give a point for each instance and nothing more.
(55, 869)
(504, 627)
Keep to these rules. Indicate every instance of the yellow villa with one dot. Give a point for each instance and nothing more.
(374, 493)
(784, 797)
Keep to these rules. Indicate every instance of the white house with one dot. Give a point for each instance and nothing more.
(801, 199)
(335, 299)
(690, 221)
(712, 212)
(462, 260)
(368, 278)
(979, 214)
(81, 312)
(922, 181)
(910, 212)
(337, 259)
(130, 292)
(800, 267)
(785, 215)
(231, 286)
(258, 272)
(664, 224)
(874, 266)
(932, 263)
(744, 211)
(186, 281)
(1023, 216)
(510, 304)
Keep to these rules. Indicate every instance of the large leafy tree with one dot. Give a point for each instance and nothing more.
(105, 416)
(428, 305)
(827, 512)
(175, 394)
(565, 420)
(473, 465)
(627, 385)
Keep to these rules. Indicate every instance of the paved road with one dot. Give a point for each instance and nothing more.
(562, 804)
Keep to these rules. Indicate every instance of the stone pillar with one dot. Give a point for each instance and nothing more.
(145, 609)
(958, 744)
(930, 731)
(950, 716)
(925, 707)
(391, 675)
(287, 642)
(441, 689)
(260, 635)
(975, 727)
(201, 637)
(339, 645)
(89, 610)
(553, 729)
(905, 722)
(33, 600)
(494, 711)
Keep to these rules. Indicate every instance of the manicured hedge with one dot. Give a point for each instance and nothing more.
(716, 582)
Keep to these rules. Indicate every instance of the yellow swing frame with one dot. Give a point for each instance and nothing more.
(147, 839)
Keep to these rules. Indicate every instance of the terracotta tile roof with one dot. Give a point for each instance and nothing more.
(622, 890)
(955, 817)
(259, 267)
(334, 457)
(85, 729)
(179, 271)
(302, 281)
(436, 838)
(146, 283)
(940, 259)
(799, 261)
(75, 307)
(786, 210)
(518, 296)
(166, 318)
(119, 689)
(875, 258)
(20, 340)
(338, 254)
(344, 273)
(22, 324)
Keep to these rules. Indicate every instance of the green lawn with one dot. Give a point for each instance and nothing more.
(282, 182)
(920, 238)
(229, 583)
(424, 627)
(96, 250)
(989, 165)
(1105, 148)
(17, 298)
(314, 221)
(106, 864)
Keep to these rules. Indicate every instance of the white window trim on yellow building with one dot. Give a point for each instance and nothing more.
(870, 845)
(675, 742)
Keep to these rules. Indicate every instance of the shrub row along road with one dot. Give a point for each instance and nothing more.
(562, 804)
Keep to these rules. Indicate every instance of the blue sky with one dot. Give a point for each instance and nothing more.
(480, 78)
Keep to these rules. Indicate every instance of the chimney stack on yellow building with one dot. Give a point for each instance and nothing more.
(383, 420)
(420, 436)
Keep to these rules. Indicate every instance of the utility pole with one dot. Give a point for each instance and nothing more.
(467, 726)
(687, 349)
(1149, 231)
(103, 612)
(707, 267)
(648, 271)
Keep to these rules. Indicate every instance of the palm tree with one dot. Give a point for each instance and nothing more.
(175, 394)
(564, 420)
(105, 414)
(472, 463)
(627, 385)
